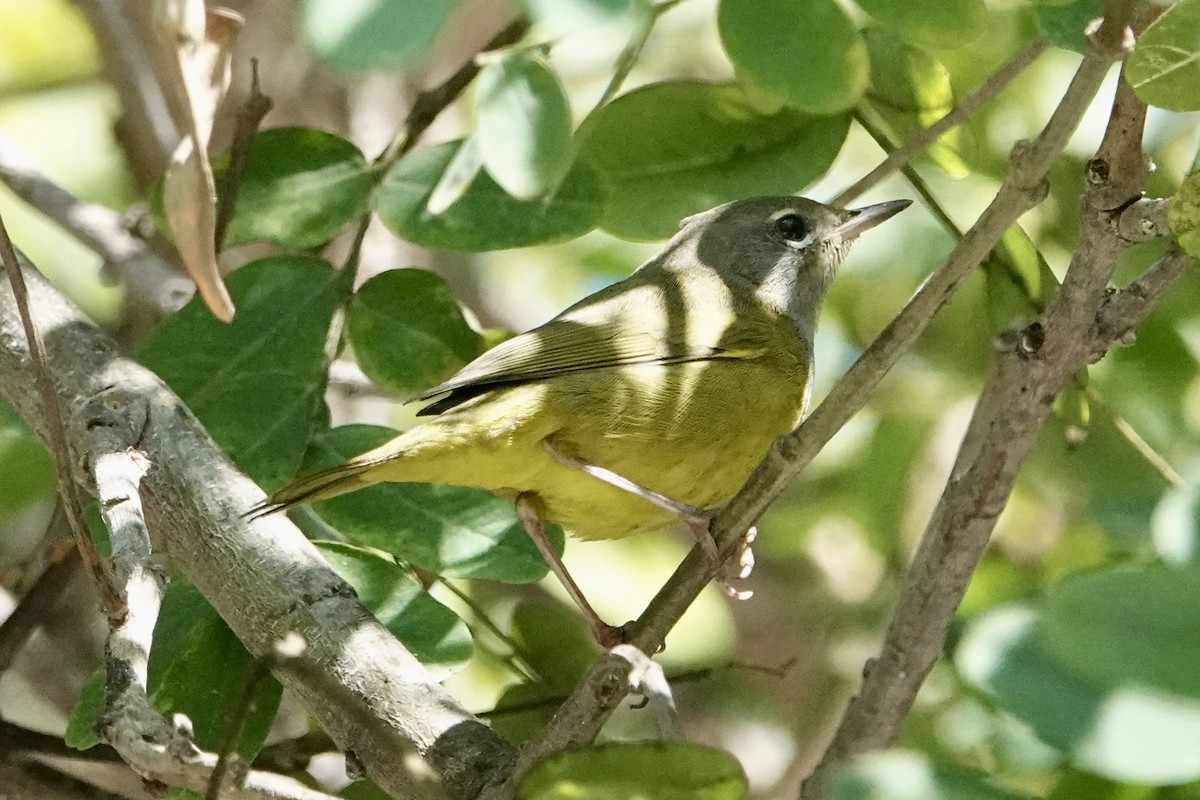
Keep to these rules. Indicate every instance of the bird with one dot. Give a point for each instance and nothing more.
(649, 401)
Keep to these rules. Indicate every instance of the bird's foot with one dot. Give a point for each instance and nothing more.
(734, 567)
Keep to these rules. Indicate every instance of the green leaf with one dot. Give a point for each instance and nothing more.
(26, 469)
(256, 383)
(662, 771)
(563, 17)
(362, 34)
(932, 23)
(670, 150)
(1183, 215)
(900, 775)
(1119, 731)
(408, 332)
(1019, 281)
(485, 217)
(1134, 624)
(551, 640)
(807, 52)
(85, 716)
(301, 188)
(1164, 67)
(432, 632)
(910, 90)
(523, 124)
(1065, 25)
(449, 530)
(208, 680)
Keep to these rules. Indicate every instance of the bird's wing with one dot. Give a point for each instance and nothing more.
(615, 332)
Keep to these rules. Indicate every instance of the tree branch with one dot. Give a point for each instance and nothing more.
(266, 580)
(604, 686)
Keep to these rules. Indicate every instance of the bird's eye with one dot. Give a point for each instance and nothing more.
(791, 227)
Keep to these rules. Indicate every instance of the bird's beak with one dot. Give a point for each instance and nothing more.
(867, 217)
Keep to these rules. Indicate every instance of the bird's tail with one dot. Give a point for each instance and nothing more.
(318, 486)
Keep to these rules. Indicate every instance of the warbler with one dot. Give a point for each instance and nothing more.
(650, 400)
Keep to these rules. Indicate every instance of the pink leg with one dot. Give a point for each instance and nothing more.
(529, 511)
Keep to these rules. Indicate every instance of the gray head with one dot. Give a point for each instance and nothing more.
(786, 248)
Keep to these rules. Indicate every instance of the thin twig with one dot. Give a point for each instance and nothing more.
(113, 605)
(978, 98)
(250, 116)
(430, 103)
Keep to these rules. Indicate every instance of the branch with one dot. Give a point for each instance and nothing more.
(150, 281)
(603, 687)
(977, 99)
(266, 580)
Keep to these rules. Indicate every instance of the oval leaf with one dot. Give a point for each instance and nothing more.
(434, 634)
(933, 23)
(910, 90)
(900, 775)
(523, 125)
(670, 150)
(361, 34)
(449, 530)
(1120, 732)
(1164, 67)
(257, 383)
(805, 51)
(1065, 25)
(408, 332)
(1136, 625)
(485, 216)
(663, 771)
(301, 188)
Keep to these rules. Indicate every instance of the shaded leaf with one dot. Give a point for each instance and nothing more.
(901, 775)
(85, 716)
(255, 384)
(302, 187)
(807, 52)
(1065, 24)
(449, 530)
(662, 771)
(408, 332)
(670, 150)
(523, 124)
(1119, 731)
(933, 23)
(26, 469)
(485, 216)
(1164, 67)
(362, 34)
(432, 632)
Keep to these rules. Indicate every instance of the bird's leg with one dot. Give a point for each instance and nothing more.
(698, 521)
(529, 512)
(696, 518)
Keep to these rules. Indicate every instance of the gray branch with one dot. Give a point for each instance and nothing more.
(266, 580)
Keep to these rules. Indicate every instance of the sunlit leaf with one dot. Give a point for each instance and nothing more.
(431, 632)
(670, 150)
(806, 51)
(523, 124)
(301, 187)
(485, 216)
(1164, 67)
(1183, 215)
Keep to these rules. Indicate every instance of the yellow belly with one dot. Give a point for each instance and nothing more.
(693, 432)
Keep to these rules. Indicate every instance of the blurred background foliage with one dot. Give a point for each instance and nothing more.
(1071, 670)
